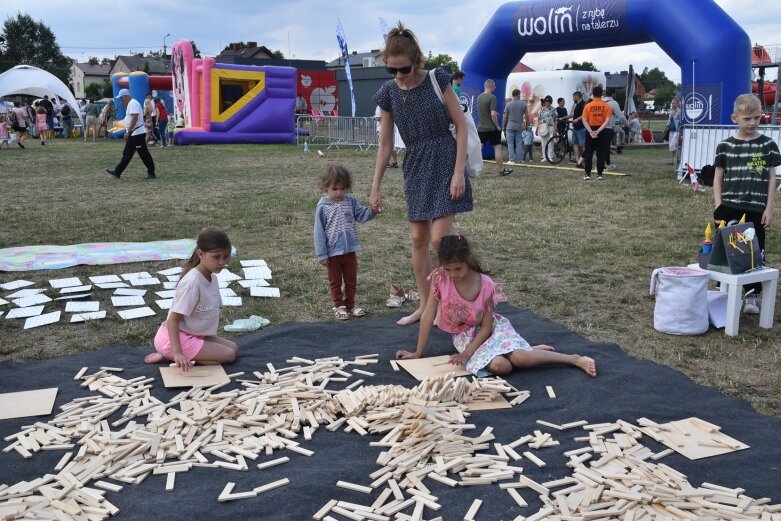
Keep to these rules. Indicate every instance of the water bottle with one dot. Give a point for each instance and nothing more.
(306, 146)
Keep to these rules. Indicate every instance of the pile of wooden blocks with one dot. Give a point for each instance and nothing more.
(421, 433)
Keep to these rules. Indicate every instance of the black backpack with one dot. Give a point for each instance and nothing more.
(65, 111)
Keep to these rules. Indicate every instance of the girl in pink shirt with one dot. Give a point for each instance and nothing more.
(466, 297)
(40, 123)
(190, 331)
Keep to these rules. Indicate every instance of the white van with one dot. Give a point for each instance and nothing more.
(557, 84)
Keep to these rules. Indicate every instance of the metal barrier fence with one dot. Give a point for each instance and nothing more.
(698, 146)
(336, 131)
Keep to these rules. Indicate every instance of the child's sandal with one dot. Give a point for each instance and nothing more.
(396, 298)
(358, 312)
(341, 313)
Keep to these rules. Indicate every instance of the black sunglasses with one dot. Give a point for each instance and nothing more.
(404, 70)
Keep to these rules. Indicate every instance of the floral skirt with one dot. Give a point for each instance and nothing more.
(503, 340)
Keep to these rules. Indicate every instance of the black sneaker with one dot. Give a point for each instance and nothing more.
(587, 177)
(506, 171)
(600, 178)
(112, 173)
(150, 177)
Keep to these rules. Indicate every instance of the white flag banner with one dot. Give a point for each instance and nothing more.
(340, 37)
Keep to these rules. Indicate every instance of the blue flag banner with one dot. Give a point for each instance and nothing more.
(383, 27)
(340, 37)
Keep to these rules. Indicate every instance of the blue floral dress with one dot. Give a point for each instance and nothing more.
(424, 125)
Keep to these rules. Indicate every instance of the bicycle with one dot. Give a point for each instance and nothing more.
(558, 147)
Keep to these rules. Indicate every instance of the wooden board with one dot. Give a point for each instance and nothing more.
(198, 376)
(499, 403)
(690, 437)
(27, 403)
(420, 368)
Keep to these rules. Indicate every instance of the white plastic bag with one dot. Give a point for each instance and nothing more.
(681, 300)
(474, 149)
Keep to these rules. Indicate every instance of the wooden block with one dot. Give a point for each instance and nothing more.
(320, 514)
(105, 485)
(273, 463)
(80, 373)
(534, 459)
(394, 365)
(517, 497)
(170, 480)
(354, 487)
(550, 392)
(271, 486)
(198, 376)
(472, 512)
(27, 403)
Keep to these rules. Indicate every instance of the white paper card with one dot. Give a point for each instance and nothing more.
(254, 282)
(129, 292)
(91, 315)
(76, 289)
(65, 283)
(81, 307)
(252, 263)
(111, 285)
(103, 279)
(42, 320)
(3, 302)
(227, 292)
(127, 301)
(168, 293)
(264, 292)
(144, 282)
(24, 312)
(2, 313)
(171, 271)
(136, 275)
(169, 285)
(231, 301)
(173, 278)
(32, 301)
(129, 314)
(224, 283)
(74, 296)
(29, 292)
(227, 275)
(8, 286)
(165, 303)
(258, 272)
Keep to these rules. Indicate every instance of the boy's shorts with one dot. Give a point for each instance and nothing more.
(494, 136)
(579, 137)
(191, 344)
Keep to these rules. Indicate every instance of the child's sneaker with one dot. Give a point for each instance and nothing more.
(587, 177)
(751, 305)
(600, 178)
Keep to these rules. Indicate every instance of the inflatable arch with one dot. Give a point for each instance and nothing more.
(713, 51)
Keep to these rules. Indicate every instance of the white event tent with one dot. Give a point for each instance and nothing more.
(26, 79)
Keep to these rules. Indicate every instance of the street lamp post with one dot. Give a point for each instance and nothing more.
(164, 37)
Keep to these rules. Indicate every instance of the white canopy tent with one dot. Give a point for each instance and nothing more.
(26, 79)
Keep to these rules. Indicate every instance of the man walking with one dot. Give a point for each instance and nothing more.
(135, 138)
(488, 123)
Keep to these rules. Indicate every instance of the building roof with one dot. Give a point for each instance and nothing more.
(94, 70)
(356, 59)
(250, 50)
(137, 63)
(522, 67)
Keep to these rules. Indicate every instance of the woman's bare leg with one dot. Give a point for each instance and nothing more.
(525, 359)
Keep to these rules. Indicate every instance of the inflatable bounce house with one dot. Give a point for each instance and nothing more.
(226, 103)
(713, 51)
(139, 83)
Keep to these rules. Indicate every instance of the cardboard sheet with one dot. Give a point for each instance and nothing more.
(111, 285)
(33, 300)
(198, 376)
(29, 292)
(257, 272)
(421, 368)
(257, 291)
(16, 284)
(104, 279)
(42, 320)
(695, 438)
(135, 275)
(166, 293)
(171, 271)
(127, 301)
(231, 301)
(253, 283)
(129, 314)
(251, 263)
(82, 307)
(24, 312)
(88, 315)
(129, 292)
(74, 296)
(227, 292)
(65, 283)
(169, 285)
(27, 403)
(76, 289)
(149, 281)
(165, 303)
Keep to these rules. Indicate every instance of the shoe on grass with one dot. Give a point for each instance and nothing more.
(600, 178)
(112, 173)
(150, 177)
(587, 177)
(751, 305)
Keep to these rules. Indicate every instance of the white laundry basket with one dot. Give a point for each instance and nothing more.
(681, 300)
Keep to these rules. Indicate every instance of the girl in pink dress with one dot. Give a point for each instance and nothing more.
(40, 123)
(466, 297)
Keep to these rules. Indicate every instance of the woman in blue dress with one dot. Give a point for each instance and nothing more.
(435, 185)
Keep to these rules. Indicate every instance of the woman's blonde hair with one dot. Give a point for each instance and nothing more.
(402, 42)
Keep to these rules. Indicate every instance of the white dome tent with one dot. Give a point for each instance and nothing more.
(26, 79)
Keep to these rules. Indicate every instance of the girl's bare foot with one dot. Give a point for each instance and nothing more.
(154, 358)
(543, 347)
(588, 365)
(410, 319)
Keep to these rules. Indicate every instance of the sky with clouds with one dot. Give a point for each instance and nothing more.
(305, 29)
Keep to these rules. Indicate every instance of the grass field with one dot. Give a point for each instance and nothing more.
(577, 253)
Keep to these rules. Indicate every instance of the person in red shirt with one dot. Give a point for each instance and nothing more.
(597, 115)
(162, 121)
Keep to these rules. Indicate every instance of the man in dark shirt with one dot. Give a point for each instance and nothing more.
(578, 140)
(45, 103)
